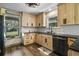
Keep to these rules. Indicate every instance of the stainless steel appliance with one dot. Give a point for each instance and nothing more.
(2, 51)
(3, 32)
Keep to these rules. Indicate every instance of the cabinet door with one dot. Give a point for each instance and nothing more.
(24, 19)
(49, 42)
(70, 13)
(39, 19)
(32, 21)
(26, 39)
(37, 38)
(33, 37)
(77, 13)
(42, 39)
(61, 13)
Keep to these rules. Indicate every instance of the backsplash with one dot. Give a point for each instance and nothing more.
(68, 29)
(71, 29)
(65, 29)
(33, 29)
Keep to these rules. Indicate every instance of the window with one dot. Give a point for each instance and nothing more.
(52, 22)
(12, 27)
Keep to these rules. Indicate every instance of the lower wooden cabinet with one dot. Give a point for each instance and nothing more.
(49, 42)
(71, 41)
(29, 38)
(41, 39)
(73, 53)
(37, 38)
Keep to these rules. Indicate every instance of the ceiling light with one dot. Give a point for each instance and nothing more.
(33, 5)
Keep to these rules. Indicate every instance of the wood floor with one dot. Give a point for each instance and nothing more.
(18, 50)
(30, 50)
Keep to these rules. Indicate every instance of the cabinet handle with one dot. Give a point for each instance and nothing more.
(64, 21)
(32, 24)
(39, 24)
(45, 40)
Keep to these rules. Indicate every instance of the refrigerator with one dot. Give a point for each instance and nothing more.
(2, 49)
(3, 30)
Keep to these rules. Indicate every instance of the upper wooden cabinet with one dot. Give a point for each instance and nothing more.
(77, 13)
(33, 20)
(40, 20)
(68, 13)
(28, 20)
(61, 13)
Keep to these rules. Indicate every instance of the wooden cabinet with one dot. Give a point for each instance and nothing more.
(24, 19)
(61, 13)
(29, 38)
(77, 13)
(40, 20)
(73, 53)
(37, 38)
(71, 41)
(33, 20)
(26, 38)
(68, 13)
(49, 42)
(45, 40)
(28, 20)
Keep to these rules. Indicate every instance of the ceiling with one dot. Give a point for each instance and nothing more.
(44, 7)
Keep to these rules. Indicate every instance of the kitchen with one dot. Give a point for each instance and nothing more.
(39, 29)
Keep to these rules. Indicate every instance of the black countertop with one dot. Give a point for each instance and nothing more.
(54, 34)
(40, 33)
(67, 35)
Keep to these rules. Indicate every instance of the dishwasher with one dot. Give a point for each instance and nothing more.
(60, 46)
